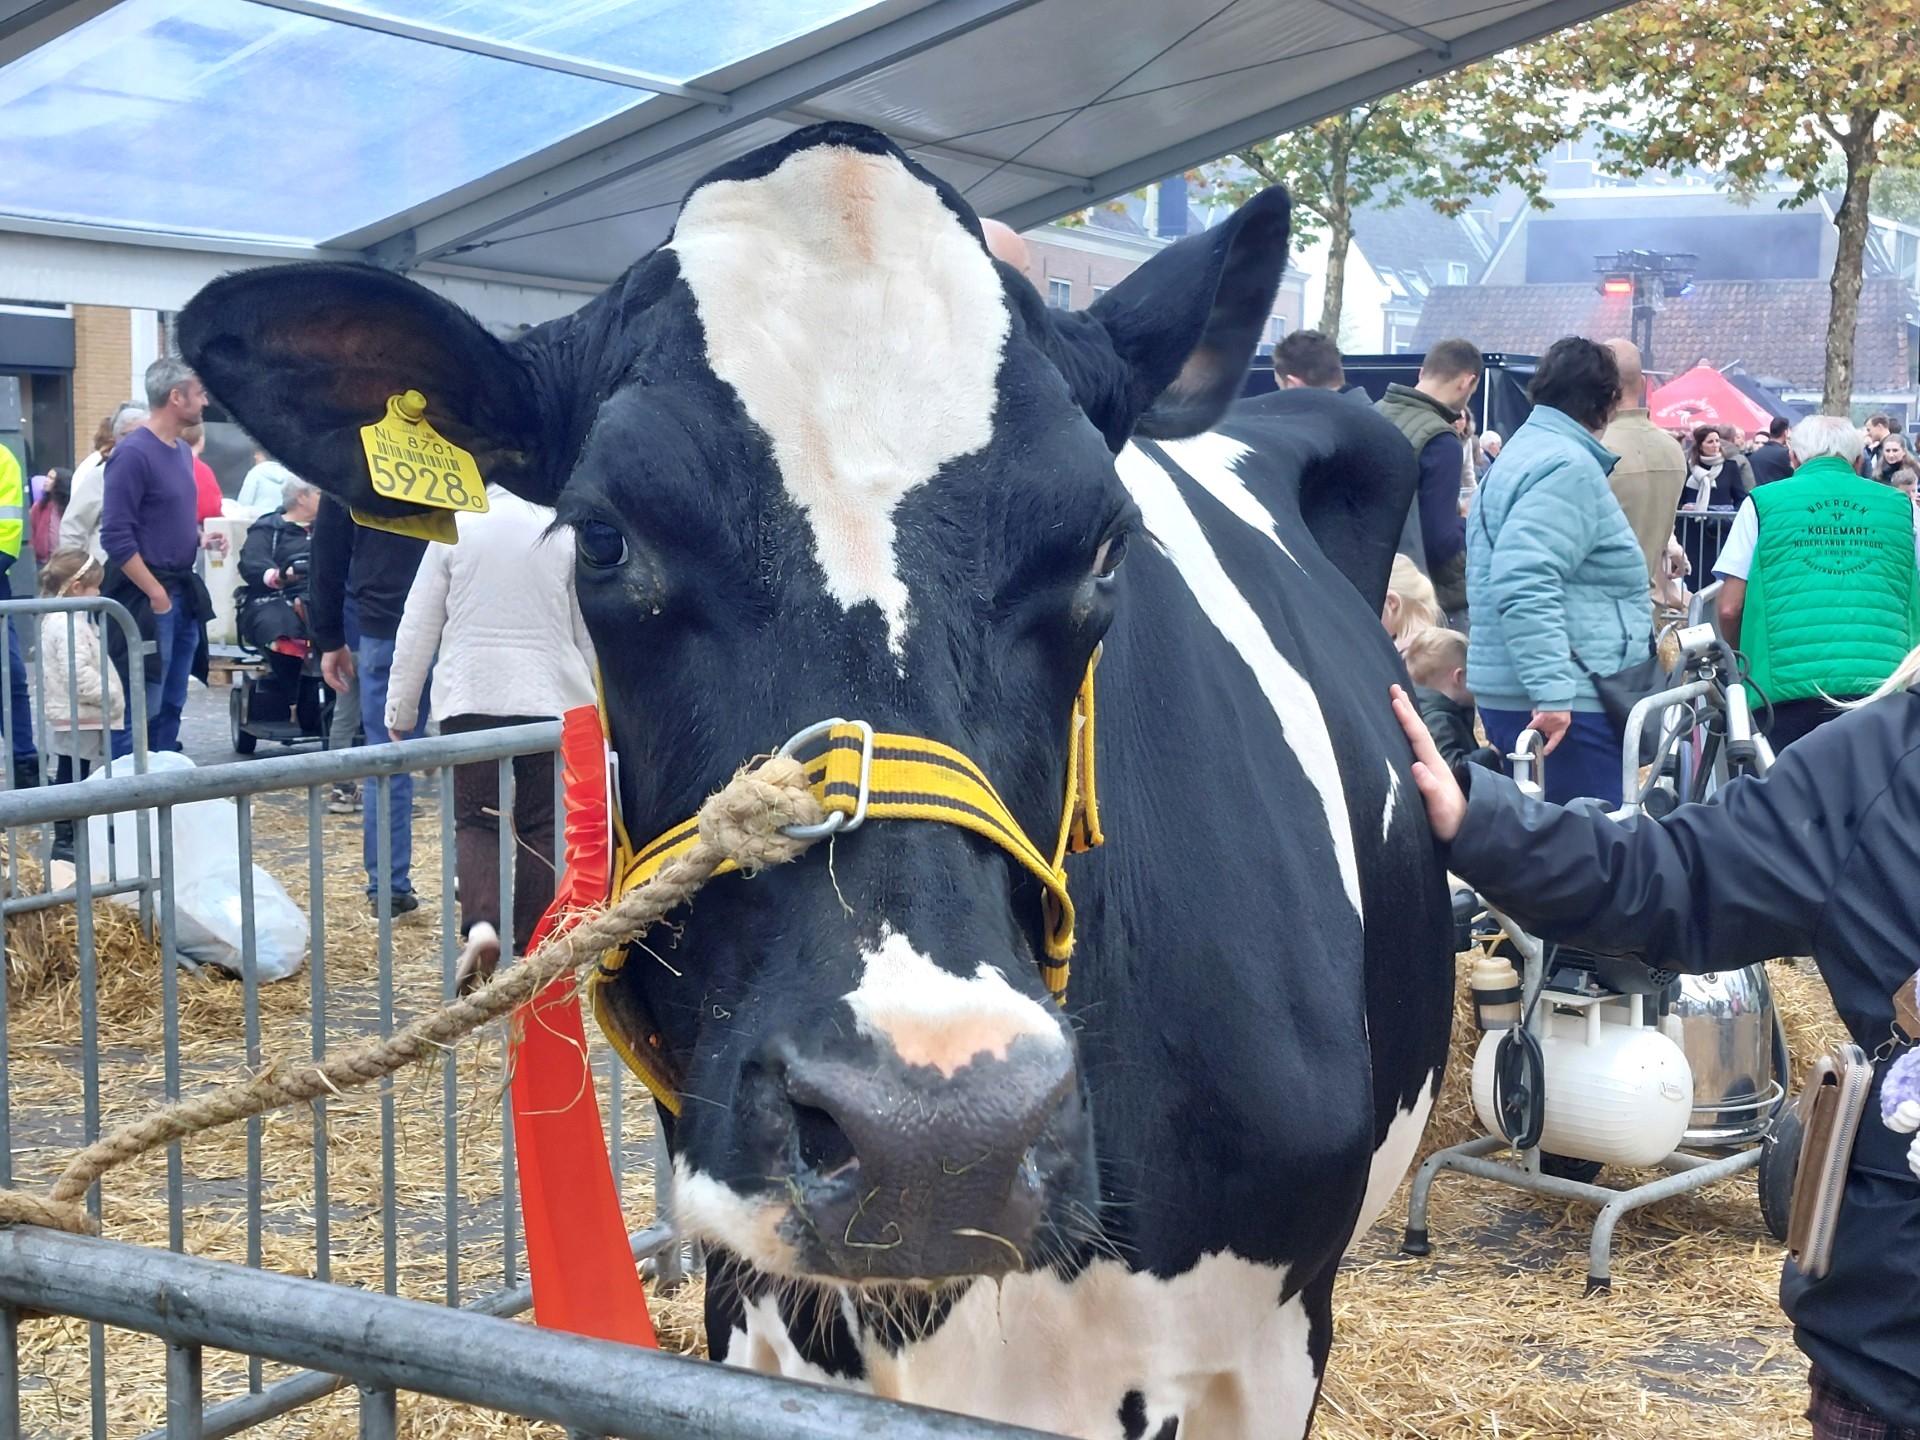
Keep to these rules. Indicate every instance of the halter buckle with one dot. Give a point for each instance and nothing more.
(838, 822)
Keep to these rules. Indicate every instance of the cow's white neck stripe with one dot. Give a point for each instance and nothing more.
(1213, 461)
(1302, 725)
(862, 326)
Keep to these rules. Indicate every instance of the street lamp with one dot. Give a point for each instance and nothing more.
(1650, 278)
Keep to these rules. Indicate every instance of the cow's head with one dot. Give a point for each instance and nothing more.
(821, 456)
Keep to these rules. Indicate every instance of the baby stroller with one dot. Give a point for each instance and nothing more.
(288, 702)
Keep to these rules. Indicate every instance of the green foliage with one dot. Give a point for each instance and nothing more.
(1748, 87)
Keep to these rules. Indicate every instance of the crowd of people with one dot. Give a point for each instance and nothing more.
(1568, 535)
(1550, 559)
(476, 635)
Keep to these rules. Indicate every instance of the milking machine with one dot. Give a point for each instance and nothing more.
(1590, 1060)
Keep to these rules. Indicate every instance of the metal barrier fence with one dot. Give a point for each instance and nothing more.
(1701, 533)
(51, 737)
(592, 1387)
(436, 1217)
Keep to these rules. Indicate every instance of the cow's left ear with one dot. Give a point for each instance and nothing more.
(1163, 353)
(302, 356)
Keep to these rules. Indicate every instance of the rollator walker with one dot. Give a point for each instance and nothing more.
(1606, 1061)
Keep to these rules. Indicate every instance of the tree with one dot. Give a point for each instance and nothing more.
(1754, 90)
(1413, 144)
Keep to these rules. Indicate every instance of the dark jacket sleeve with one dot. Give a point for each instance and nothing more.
(257, 553)
(327, 565)
(1442, 532)
(1711, 887)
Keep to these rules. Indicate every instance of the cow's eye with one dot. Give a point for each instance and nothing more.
(601, 545)
(1107, 558)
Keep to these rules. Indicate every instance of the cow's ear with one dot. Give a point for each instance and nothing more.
(1178, 334)
(304, 355)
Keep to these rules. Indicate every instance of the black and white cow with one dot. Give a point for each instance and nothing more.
(823, 456)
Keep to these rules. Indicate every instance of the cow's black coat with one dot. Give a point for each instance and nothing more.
(1243, 1041)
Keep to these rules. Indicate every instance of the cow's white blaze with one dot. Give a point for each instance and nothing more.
(1214, 1349)
(862, 325)
(747, 1225)
(934, 1017)
(1394, 1155)
(1213, 460)
(1393, 801)
(1302, 725)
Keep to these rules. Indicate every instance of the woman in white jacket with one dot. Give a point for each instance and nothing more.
(499, 610)
(82, 698)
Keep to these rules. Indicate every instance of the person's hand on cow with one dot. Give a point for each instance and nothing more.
(336, 668)
(1552, 725)
(1446, 801)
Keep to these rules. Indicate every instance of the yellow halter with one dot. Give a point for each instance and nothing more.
(860, 775)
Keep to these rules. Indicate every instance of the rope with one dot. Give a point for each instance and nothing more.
(742, 822)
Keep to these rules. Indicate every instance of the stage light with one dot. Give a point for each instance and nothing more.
(1617, 285)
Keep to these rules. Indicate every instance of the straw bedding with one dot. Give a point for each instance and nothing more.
(1489, 1337)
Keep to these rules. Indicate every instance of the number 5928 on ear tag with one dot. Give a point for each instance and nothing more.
(410, 461)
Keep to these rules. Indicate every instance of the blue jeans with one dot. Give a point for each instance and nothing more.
(177, 635)
(1586, 761)
(373, 659)
(20, 731)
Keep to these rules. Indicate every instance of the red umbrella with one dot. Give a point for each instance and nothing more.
(1703, 396)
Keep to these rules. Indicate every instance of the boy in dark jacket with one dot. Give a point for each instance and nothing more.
(1437, 665)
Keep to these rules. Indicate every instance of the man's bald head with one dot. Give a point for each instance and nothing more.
(1633, 381)
(1004, 243)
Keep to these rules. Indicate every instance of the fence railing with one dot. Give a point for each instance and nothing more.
(1701, 534)
(385, 1345)
(400, 1190)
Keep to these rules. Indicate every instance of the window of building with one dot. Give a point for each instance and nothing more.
(1060, 294)
(1100, 290)
(1456, 272)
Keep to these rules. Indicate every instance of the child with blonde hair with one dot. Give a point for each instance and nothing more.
(83, 701)
(1411, 606)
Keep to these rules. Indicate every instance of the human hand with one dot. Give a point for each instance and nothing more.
(1552, 725)
(336, 668)
(393, 734)
(272, 577)
(162, 603)
(212, 540)
(1446, 802)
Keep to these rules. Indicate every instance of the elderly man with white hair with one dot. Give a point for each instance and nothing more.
(1820, 581)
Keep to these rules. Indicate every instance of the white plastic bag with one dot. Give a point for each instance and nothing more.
(206, 880)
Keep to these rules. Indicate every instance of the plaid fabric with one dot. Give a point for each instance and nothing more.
(1836, 1415)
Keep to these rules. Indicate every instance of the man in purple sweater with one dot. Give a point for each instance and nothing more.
(149, 530)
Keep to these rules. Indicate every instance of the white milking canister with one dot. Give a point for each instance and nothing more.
(1618, 1091)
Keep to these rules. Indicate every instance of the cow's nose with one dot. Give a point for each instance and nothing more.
(903, 1172)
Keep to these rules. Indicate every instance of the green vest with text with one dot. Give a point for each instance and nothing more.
(1833, 596)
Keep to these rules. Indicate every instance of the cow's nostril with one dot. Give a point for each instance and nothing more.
(824, 1146)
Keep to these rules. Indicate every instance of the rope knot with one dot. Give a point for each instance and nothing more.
(744, 821)
(24, 1207)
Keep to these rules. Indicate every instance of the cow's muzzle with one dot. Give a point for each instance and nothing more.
(899, 1172)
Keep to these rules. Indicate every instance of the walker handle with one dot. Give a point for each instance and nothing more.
(1529, 763)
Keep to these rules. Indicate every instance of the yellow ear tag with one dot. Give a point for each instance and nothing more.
(410, 461)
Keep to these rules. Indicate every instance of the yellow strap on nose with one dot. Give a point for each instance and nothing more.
(906, 778)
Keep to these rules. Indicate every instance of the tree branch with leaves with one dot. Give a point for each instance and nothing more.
(1794, 88)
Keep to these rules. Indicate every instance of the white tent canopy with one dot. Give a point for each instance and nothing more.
(549, 142)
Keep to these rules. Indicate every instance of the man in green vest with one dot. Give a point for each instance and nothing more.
(1820, 581)
(19, 717)
(1428, 414)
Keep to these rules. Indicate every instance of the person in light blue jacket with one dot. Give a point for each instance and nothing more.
(1555, 579)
